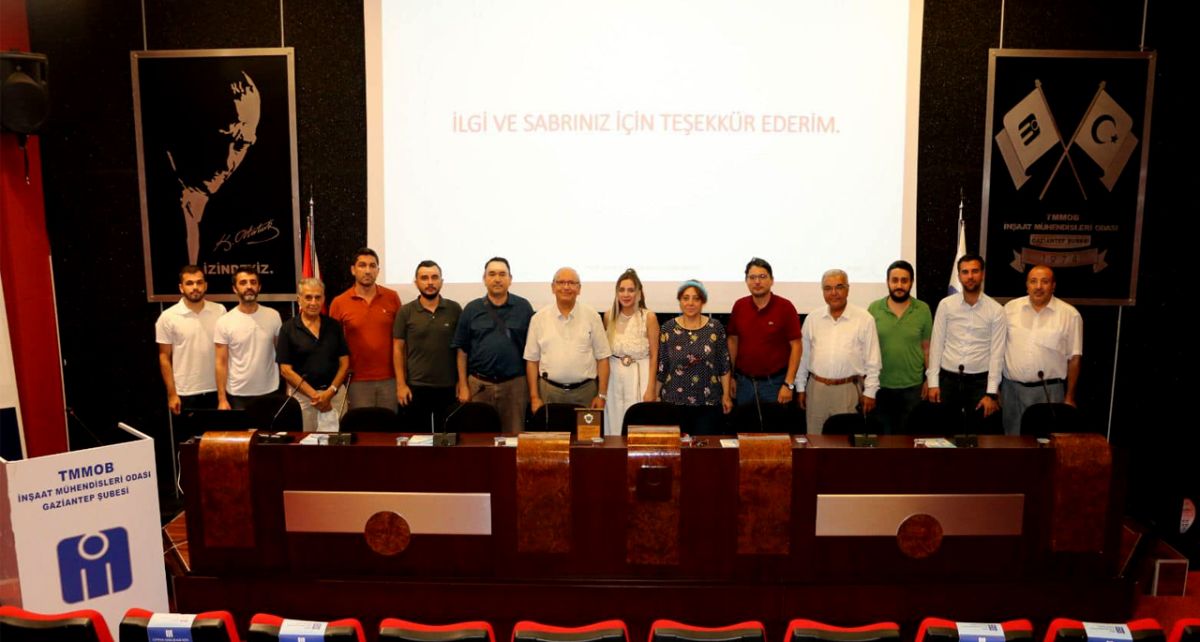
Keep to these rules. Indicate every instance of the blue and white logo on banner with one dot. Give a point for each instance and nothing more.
(94, 564)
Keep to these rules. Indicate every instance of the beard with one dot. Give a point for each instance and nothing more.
(899, 299)
(248, 297)
(195, 296)
(430, 297)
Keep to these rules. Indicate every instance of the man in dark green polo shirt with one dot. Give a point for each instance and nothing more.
(426, 373)
(905, 326)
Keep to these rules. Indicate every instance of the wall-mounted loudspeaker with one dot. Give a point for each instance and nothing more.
(24, 92)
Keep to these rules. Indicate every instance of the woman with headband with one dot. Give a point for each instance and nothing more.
(693, 363)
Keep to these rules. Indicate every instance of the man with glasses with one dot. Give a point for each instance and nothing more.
(764, 340)
(839, 370)
(566, 356)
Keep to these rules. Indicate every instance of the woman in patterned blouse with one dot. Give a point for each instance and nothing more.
(693, 363)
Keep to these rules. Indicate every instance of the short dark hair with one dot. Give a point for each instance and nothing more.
(427, 263)
(967, 258)
(500, 259)
(759, 263)
(364, 251)
(190, 269)
(900, 265)
(247, 269)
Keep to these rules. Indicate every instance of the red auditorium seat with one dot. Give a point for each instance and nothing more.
(938, 630)
(1066, 630)
(210, 626)
(606, 631)
(1186, 630)
(19, 625)
(672, 631)
(396, 630)
(812, 631)
(264, 627)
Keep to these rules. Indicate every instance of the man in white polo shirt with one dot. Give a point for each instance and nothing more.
(1042, 351)
(245, 347)
(184, 333)
(566, 352)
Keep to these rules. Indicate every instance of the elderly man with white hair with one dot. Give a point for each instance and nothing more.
(566, 352)
(839, 369)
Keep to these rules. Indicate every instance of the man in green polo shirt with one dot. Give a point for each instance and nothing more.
(904, 325)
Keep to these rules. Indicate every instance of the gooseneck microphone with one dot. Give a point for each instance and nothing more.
(271, 426)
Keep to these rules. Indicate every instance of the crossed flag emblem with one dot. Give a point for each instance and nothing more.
(1105, 134)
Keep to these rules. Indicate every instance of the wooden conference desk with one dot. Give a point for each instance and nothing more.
(573, 533)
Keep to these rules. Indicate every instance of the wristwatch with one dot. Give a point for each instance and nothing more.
(790, 386)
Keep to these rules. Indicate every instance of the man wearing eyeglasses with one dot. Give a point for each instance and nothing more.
(839, 369)
(764, 340)
(566, 354)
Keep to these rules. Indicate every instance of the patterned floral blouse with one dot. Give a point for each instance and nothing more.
(692, 362)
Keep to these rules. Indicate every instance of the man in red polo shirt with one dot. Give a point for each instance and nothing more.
(764, 340)
(367, 312)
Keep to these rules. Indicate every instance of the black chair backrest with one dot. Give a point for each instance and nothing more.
(263, 409)
(775, 417)
(651, 413)
(370, 419)
(847, 423)
(15, 628)
(553, 417)
(473, 416)
(936, 419)
(1042, 419)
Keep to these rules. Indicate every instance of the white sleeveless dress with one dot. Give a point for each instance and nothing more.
(626, 383)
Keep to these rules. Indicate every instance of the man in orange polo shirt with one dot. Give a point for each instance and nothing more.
(367, 312)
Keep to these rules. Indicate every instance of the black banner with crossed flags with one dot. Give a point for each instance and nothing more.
(1065, 170)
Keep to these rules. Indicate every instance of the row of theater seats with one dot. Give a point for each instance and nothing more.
(18, 625)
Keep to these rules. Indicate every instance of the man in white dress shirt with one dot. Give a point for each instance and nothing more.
(839, 366)
(566, 351)
(966, 352)
(1042, 351)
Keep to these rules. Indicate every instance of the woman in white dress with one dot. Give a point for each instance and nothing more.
(633, 337)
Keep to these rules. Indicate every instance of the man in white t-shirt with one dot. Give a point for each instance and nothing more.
(245, 347)
(184, 333)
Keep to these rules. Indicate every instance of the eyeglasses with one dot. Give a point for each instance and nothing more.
(757, 277)
(564, 284)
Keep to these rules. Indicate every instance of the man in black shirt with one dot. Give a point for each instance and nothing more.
(313, 357)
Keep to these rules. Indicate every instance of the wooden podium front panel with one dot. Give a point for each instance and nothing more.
(994, 497)
(933, 481)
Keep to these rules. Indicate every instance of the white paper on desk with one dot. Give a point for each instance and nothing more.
(327, 421)
(313, 439)
(420, 440)
(933, 442)
(729, 443)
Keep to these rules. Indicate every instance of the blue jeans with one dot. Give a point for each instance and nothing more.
(766, 387)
